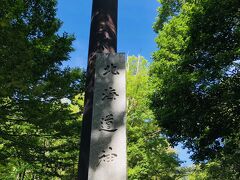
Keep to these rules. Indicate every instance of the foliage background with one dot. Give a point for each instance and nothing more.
(196, 70)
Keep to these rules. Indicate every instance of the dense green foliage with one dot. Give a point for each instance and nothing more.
(211, 171)
(39, 132)
(40, 126)
(149, 153)
(196, 72)
(194, 88)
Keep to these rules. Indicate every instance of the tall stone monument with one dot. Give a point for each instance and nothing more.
(103, 137)
(108, 136)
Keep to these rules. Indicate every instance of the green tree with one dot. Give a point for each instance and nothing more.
(39, 133)
(209, 171)
(149, 153)
(196, 72)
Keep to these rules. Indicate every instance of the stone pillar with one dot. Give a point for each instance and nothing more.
(103, 39)
(108, 134)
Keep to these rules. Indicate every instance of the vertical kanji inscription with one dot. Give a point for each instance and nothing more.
(108, 135)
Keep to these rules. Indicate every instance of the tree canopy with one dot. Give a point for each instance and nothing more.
(149, 154)
(196, 72)
(189, 94)
(39, 132)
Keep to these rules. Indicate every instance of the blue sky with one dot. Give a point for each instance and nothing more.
(135, 33)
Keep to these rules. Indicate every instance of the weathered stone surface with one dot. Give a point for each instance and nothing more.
(108, 137)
